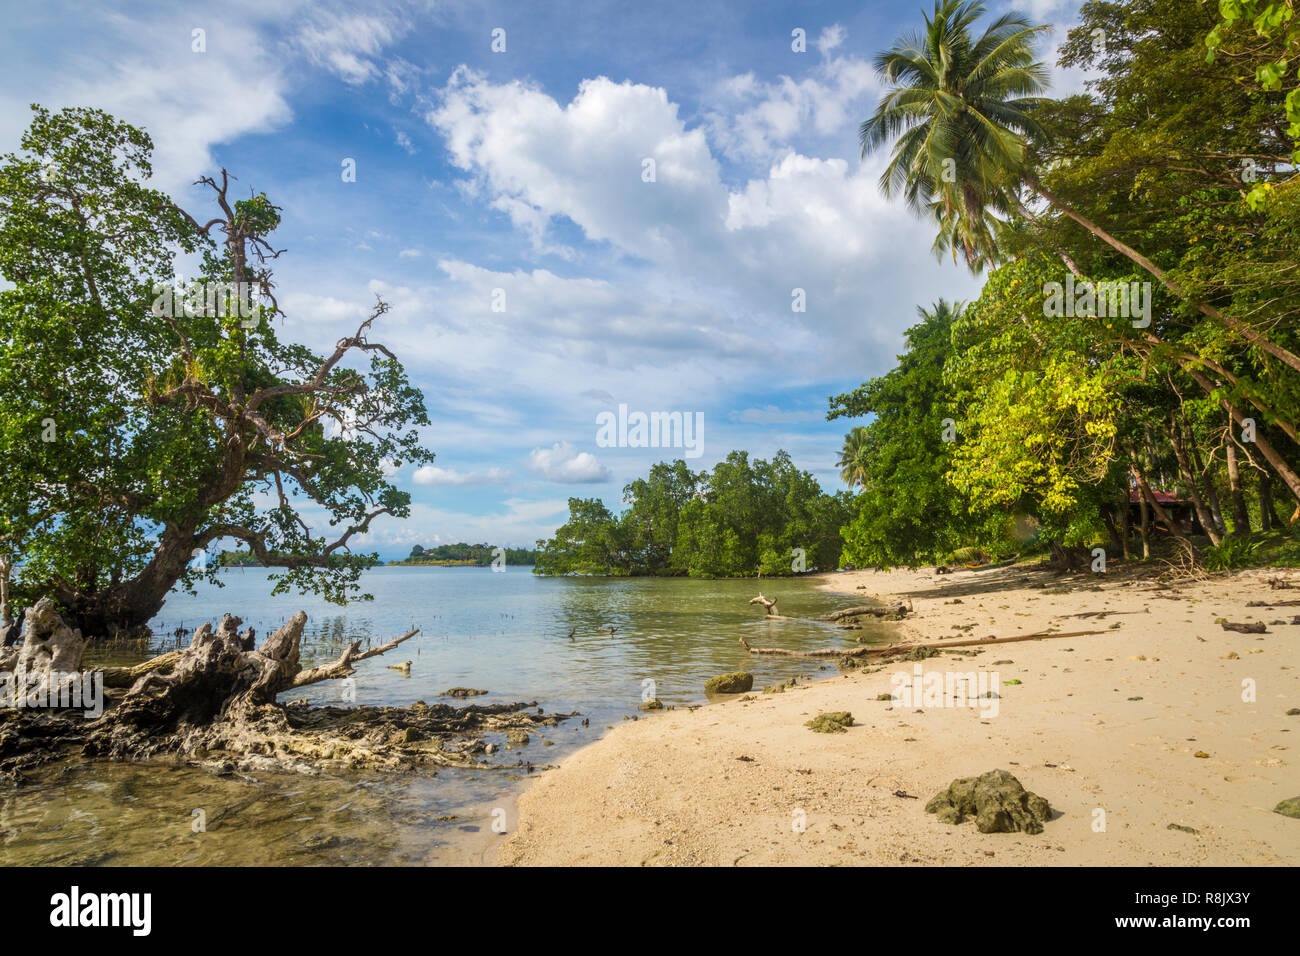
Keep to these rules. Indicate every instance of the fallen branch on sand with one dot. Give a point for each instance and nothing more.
(895, 610)
(892, 649)
(898, 608)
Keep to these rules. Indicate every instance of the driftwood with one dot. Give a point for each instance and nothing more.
(214, 705)
(1256, 627)
(897, 609)
(892, 649)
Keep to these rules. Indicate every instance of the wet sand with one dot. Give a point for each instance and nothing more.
(1125, 733)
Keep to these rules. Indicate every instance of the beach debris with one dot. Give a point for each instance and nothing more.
(833, 722)
(905, 795)
(463, 692)
(1289, 808)
(1202, 754)
(891, 649)
(1230, 656)
(653, 704)
(769, 604)
(781, 688)
(1183, 829)
(1252, 627)
(1012, 682)
(402, 668)
(739, 682)
(997, 801)
(745, 758)
(894, 610)
(1293, 712)
(884, 697)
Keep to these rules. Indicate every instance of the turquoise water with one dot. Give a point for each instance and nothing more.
(519, 636)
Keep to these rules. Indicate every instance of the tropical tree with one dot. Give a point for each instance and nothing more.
(138, 429)
(853, 458)
(964, 117)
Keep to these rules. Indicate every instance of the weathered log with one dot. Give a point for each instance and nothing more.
(1253, 627)
(892, 649)
(869, 610)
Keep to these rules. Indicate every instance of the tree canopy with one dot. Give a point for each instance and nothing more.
(743, 518)
(140, 422)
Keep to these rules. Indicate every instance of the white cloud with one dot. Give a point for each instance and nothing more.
(347, 44)
(830, 38)
(433, 475)
(564, 463)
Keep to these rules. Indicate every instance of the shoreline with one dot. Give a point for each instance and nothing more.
(1107, 727)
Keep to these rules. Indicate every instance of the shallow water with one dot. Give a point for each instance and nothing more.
(508, 633)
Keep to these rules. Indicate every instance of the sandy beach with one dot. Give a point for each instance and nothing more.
(1129, 734)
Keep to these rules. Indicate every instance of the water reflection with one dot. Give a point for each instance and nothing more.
(570, 644)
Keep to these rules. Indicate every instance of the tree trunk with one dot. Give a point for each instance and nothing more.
(1144, 526)
(1125, 521)
(1266, 517)
(1193, 486)
(1161, 515)
(1240, 516)
(1245, 331)
(1203, 474)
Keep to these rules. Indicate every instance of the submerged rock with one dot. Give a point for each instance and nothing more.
(1289, 808)
(835, 722)
(655, 704)
(464, 692)
(517, 738)
(737, 683)
(995, 799)
(781, 688)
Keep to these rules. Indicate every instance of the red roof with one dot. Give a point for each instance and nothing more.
(1162, 497)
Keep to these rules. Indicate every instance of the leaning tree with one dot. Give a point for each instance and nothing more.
(141, 423)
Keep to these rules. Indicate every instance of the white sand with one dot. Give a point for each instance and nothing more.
(671, 789)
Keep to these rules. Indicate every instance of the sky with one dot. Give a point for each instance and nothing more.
(540, 271)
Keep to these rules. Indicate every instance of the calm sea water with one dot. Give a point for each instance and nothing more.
(508, 633)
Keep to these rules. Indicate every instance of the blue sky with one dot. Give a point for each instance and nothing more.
(522, 171)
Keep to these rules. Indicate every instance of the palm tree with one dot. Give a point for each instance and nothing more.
(961, 115)
(853, 457)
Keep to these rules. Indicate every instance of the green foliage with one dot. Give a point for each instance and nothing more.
(469, 555)
(1233, 552)
(740, 519)
(907, 512)
(132, 439)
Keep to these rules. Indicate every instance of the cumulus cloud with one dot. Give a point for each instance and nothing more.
(564, 463)
(433, 475)
(347, 44)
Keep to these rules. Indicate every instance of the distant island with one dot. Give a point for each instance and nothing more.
(467, 555)
(247, 559)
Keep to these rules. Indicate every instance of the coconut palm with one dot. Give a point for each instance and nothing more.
(961, 115)
(960, 111)
(853, 457)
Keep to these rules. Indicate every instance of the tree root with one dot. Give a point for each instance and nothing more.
(214, 705)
